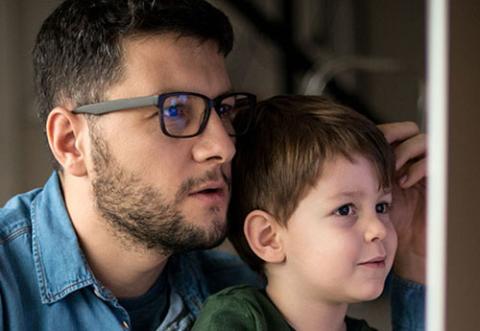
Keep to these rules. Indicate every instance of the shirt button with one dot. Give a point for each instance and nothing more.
(125, 325)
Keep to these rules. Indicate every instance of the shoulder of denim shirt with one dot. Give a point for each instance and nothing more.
(15, 217)
(223, 269)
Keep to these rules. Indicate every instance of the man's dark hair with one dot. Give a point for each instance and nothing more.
(282, 155)
(78, 51)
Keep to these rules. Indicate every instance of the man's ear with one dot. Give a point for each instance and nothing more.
(262, 233)
(66, 134)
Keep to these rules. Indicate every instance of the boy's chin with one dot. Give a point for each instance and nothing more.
(367, 293)
(372, 294)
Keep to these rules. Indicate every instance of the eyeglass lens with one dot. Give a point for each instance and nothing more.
(184, 114)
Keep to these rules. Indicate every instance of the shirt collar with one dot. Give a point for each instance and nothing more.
(60, 265)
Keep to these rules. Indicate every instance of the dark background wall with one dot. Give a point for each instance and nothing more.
(463, 230)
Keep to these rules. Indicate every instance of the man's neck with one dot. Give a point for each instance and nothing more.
(127, 270)
(127, 273)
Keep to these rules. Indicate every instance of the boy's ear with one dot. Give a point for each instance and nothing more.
(261, 230)
(65, 133)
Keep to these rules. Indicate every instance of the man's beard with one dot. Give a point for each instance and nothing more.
(138, 213)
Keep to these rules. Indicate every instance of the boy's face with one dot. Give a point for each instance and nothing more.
(339, 242)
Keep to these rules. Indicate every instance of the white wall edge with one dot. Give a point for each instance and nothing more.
(437, 128)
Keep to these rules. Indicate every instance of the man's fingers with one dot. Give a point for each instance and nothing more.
(415, 173)
(399, 131)
(410, 149)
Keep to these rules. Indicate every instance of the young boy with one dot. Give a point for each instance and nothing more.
(310, 212)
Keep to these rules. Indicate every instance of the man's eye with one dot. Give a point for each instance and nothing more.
(382, 208)
(224, 109)
(345, 210)
(172, 111)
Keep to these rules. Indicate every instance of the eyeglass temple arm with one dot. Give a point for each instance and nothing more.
(115, 105)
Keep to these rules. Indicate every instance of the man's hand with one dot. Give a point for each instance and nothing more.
(408, 210)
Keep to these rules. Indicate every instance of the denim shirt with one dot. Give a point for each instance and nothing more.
(46, 283)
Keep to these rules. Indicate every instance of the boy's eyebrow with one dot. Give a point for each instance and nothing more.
(357, 194)
(348, 194)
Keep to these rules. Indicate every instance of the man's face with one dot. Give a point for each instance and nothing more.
(340, 243)
(155, 191)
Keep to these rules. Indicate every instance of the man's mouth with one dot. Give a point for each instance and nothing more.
(211, 192)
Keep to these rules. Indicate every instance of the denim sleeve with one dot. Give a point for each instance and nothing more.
(407, 305)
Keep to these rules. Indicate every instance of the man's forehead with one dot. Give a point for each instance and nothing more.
(139, 44)
(166, 63)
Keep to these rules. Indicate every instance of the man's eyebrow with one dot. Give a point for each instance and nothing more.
(230, 90)
(172, 90)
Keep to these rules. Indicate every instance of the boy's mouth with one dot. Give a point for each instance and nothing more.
(376, 262)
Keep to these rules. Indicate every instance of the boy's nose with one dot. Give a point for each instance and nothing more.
(376, 229)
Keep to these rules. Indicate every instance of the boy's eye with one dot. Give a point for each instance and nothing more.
(382, 208)
(345, 210)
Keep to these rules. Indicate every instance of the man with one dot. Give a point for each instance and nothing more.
(137, 108)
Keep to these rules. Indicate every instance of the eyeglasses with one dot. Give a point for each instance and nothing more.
(184, 114)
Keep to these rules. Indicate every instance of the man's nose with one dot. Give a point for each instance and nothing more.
(214, 144)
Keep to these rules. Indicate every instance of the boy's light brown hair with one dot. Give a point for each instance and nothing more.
(281, 158)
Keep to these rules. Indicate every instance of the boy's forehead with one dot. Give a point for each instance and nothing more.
(340, 175)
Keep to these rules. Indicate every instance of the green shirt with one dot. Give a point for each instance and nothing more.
(246, 308)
